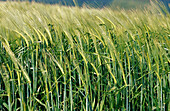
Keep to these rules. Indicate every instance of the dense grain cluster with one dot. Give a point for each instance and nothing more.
(69, 58)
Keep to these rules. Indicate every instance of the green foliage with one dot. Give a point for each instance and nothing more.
(68, 58)
(129, 4)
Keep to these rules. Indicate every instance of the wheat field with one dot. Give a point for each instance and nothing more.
(55, 58)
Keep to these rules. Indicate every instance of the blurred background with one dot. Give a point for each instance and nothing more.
(126, 4)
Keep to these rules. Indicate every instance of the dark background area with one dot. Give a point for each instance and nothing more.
(100, 3)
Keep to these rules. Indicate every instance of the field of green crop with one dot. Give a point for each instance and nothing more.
(55, 58)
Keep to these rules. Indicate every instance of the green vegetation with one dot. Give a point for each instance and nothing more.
(99, 3)
(114, 4)
(129, 4)
(68, 58)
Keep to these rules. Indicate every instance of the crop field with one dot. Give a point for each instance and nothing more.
(60, 58)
